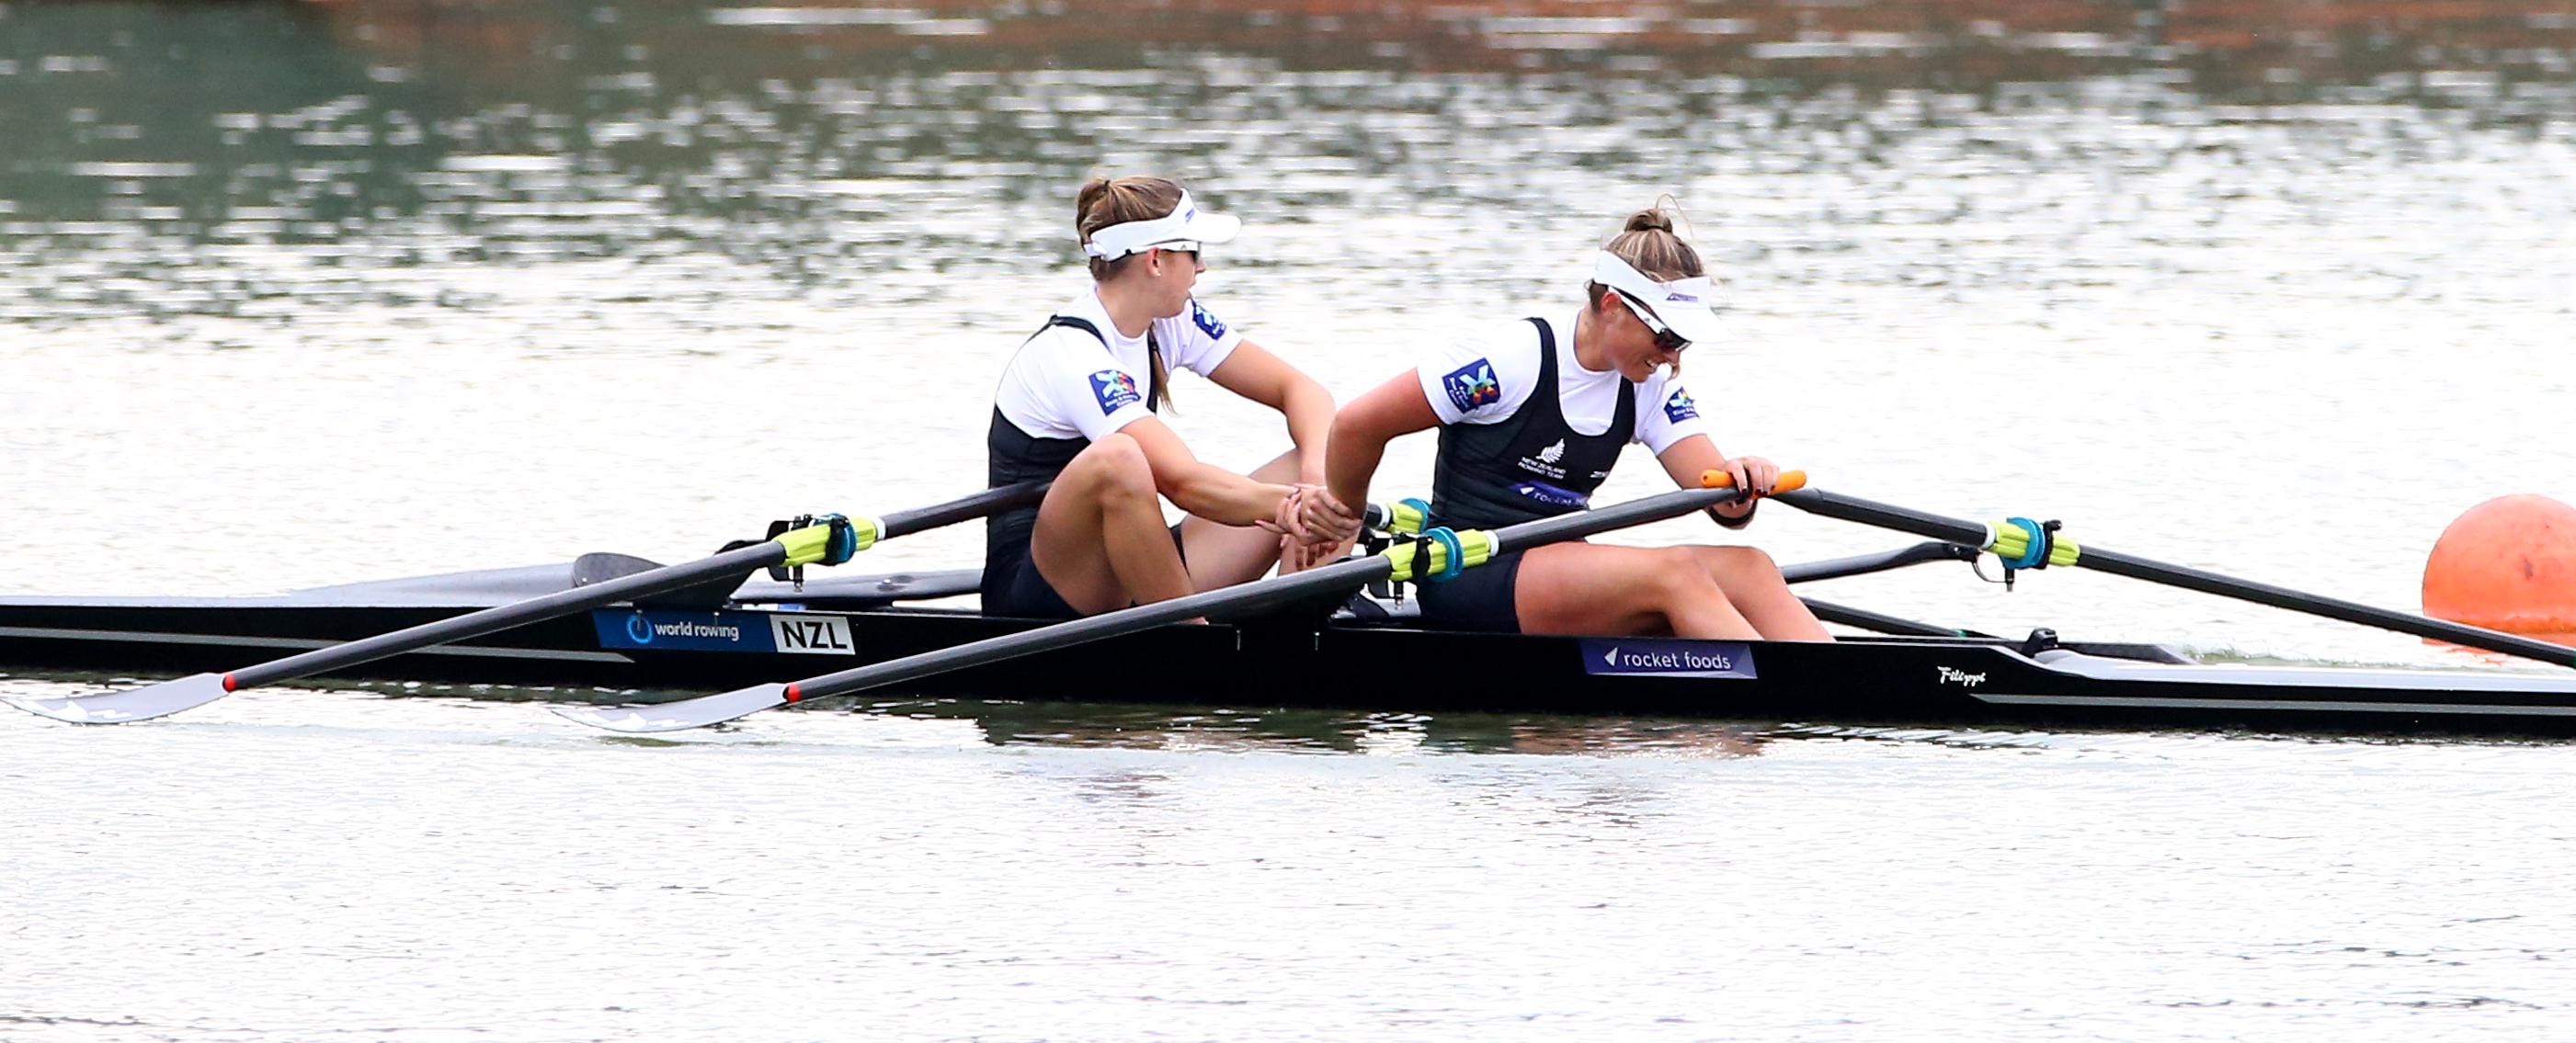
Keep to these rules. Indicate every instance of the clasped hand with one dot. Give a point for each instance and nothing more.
(1312, 516)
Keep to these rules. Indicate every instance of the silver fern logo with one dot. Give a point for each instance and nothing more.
(1552, 453)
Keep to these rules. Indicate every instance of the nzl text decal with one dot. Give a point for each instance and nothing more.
(811, 634)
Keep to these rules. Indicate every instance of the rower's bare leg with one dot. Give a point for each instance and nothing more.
(1100, 540)
(1222, 555)
(1751, 582)
(1583, 588)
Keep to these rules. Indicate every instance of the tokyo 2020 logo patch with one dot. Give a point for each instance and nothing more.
(1472, 387)
(1207, 324)
(1679, 407)
(1115, 390)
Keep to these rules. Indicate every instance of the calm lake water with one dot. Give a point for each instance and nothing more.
(298, 294)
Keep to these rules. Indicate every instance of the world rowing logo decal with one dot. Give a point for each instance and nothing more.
(1206, 323)
(1115, 390)
(1472, 387)
(679, 632)
(1679, 406)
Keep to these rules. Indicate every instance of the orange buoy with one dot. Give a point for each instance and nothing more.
(2508, 564)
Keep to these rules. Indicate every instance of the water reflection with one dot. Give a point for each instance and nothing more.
(1164, 727)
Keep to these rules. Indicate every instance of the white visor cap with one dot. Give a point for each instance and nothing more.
(1184, 228)
(1687, 305)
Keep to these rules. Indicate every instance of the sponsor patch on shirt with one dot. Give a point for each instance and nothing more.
(1472, 386)
(1206, 323)
(1551, 495)
(1679, 407)
(1115, 390)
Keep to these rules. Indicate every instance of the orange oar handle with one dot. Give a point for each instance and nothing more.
(1788, 480)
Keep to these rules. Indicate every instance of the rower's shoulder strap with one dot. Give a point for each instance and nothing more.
(1154, 351)
(1070, 322)
(1546, 352)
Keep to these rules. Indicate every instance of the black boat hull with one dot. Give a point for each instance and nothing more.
(626, 654)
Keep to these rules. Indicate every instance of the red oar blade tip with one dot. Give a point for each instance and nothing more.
(130, 705)
(678, 716)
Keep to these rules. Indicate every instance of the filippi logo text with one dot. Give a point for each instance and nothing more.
(1962, 678)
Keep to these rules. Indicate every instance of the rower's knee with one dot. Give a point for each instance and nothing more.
(1116, 468)
(1737, 559)
(1681, 578)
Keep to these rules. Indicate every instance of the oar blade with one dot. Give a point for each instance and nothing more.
(130, 705)
(678, 716)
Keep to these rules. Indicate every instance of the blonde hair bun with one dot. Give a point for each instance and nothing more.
(1651, 219)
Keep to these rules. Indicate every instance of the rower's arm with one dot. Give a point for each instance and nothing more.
(1687, 459)
(1363, 428)
(1254, 373)
(1202, 488)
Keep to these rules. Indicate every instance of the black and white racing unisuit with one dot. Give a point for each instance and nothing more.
(1073, 382)
(1530, 464)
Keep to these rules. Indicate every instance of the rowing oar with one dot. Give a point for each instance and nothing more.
(2016, 540)
(1446, 552)
(804, 546)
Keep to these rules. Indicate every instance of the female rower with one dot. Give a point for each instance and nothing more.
(1533, 413)
(1077, 405)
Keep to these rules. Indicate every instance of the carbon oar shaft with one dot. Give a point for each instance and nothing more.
(1344, 575)
(964, 508)
(1972, 534)
(169, 697)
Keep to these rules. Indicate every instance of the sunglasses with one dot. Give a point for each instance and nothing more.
(1665, 338)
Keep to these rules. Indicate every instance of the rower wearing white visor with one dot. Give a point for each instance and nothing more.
(1077, 406)
(1533, 414)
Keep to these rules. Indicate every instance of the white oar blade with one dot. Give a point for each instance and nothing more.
(679, 716)
(132, 704)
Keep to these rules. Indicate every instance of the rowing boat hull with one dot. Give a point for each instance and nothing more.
(627, 654)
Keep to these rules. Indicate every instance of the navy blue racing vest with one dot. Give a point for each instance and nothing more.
(1531, 466)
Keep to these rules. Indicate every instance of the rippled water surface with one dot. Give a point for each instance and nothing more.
(322, 865)
(296, 294)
